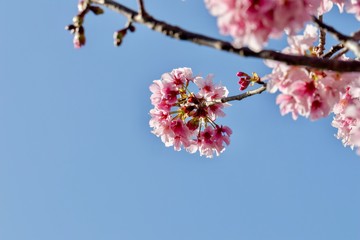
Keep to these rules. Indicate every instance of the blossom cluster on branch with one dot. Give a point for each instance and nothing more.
(252, 23)
(185, 119)
(347, 119)
(323, 83)
(307, 92)
(304, 91)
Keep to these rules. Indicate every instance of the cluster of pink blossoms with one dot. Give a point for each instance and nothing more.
(306, 92)
(185, 119)
(351, 6)
(345, 119)
(317, 93)
(347, 116)
(252, 23)
(354, 8)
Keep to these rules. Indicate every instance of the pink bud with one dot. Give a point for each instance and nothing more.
(244, 80)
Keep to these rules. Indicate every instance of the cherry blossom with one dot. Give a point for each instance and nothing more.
(347, 115)
(252, 23)
(314, 93)
(183, 119)
(306, 92)
(342, 121)
(327, 5)
(351, 6)
(354, 7)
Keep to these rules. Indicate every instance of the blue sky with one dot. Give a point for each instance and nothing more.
(78, 161)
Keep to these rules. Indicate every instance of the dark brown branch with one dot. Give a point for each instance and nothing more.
(182, 34)
(142, 10)
(333, 50)
(341, 53)
(244, 95)
(349, 42)
(322, 40)
(332, 30)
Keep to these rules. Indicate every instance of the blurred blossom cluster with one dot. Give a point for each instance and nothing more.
(251, 23)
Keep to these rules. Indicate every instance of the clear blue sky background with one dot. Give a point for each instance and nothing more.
(78, 161)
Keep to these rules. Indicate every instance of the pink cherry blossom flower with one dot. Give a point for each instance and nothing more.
(156, 95)
(183, 134)
(353, 6)
(347, 114)
(346, 123)
(306, 92)
(288, 105)
(206, 85)
(300, 44)
(221, 136)
(205, 142)
(252, 23)
(183, 119)
(212, 140)
(327, 5)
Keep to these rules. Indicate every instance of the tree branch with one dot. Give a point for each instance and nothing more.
(142, 10)
(349, 42)
(333, 50)
(322, 40)
(244, 95)
(341, 53)
(182, 34)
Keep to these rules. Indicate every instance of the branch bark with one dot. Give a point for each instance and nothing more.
(244, 95)
(333, 50)
(182, 34)
(142, 10)
(322, 39)
(349, 42)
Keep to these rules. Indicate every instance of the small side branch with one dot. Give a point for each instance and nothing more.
(349, 42)
(244, 95)
(341, 53)
(322, 39)
(142, 10)
(333, 50)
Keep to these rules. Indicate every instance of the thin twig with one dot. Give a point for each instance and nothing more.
(330, 29)
(182, 34)
(349, 42)
(322, 39)
(338, 55)
(244, 95)
(333, 50)
(142, 10)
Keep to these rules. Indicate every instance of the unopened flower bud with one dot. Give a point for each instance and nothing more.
(82, 5)
(244, 80)
(118, 37)
(242, 74)
(79, 38)
(132, 28)
(193, 123)
(70, 28)
(96, 10)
